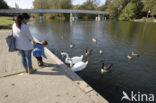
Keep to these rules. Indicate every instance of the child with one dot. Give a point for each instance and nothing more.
(38, 51)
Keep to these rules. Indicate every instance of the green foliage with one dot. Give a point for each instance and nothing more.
(114, 7)
(88, 5)
(3, 5)
(132, 10)
(150, 4)
(53, 4)
(128, 12)
(76, 7)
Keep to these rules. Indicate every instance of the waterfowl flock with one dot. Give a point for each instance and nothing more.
(77, 64)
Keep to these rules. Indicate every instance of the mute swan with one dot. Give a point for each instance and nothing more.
(134, 54)
(129, 57)
(101, 52)
(79, 66)
(105, 68)
(73, 59)
(94, 40)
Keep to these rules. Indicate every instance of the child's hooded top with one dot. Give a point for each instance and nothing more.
(38, 50)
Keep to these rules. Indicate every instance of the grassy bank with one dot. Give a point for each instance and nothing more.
(6, 22)
(146, 20)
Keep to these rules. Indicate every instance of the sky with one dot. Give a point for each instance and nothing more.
(28, 4)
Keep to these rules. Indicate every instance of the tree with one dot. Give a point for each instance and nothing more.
(105, 6)
(88, 5)
(53, 4)
(150, 4)
(3, 5)
(41, 4)
(76, 7)
(132, 10)
(115, 7)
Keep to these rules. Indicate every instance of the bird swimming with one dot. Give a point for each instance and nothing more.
(94, 40)
(106, 68)
(88, 52)
(134, 54)
(101, 52)
(72, 60)
(129, 57)
(71, 45)
(79, 66)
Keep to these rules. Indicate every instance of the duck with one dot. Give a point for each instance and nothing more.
(79, 66)
(73, 60)
(134, 54)
(106, 68)
(129, 57)
(94, 40)
(101, 52)
(88, 52)
(71, 45)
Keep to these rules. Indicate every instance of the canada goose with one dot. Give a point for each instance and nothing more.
(129, 57)
(73, 60)
(79, 66)
(88, 52)
(71, 45)
(101, 52)
(134, 54)
(106, 68)
(94, 40)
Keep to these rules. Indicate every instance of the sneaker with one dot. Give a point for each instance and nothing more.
(40, 64)
(31, 70)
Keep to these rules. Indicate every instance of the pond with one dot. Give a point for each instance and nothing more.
(117, 39)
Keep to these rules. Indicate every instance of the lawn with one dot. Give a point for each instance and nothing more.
(6, 22)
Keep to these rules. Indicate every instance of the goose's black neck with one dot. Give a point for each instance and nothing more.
(103, 64)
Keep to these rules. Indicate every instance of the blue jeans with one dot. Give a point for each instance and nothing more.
(26, 58)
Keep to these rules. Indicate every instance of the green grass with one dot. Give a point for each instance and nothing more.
(6, 22)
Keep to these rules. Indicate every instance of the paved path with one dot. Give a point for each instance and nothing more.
(54, 83)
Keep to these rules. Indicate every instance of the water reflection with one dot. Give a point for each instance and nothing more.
(117, 39)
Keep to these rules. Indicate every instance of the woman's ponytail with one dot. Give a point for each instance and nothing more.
(19, 20)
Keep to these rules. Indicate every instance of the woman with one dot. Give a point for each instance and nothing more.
(24, 40)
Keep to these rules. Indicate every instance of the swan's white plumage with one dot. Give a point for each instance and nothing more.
(72, 60)
(79, 66)
(77, 59)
